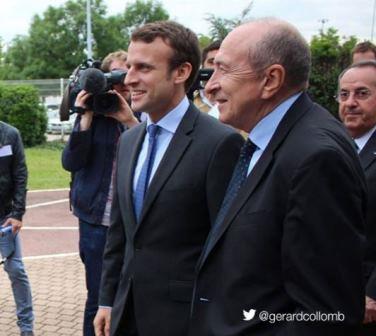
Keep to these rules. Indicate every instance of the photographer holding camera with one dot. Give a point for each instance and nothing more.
(90, 156)
(202, 99)
(13, 179)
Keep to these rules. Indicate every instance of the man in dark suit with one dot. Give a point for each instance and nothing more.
(169, 183)
(357, 110)
(286, 247)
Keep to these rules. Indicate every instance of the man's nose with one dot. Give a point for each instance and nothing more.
(351, 100)
(212, 85)
(130, 77)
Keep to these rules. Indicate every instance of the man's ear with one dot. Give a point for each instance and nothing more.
(274, 80)
(182, 72)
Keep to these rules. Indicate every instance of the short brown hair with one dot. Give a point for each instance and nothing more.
(364, 47)
(212, 46)
(182, 40)
(120, 55)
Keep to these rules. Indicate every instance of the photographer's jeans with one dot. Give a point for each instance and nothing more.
(91, 245)
(20, 287)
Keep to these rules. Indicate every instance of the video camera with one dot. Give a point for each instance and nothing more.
(203, 76)
(89, 77)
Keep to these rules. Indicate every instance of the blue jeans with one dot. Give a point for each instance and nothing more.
(20, 287)
(91, 245)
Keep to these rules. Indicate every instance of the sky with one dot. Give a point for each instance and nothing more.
(347, 16)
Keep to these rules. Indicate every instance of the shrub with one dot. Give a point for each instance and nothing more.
(20, 107)
(330, 55)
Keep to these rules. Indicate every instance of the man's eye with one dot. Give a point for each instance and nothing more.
(344, 94)
(362, 93)
(222, 69)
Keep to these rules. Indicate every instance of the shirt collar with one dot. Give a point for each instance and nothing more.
(172, 119)
(262, 133)
(204, 99)
(361, 141)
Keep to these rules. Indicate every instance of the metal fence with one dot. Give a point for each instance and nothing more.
(46, 87)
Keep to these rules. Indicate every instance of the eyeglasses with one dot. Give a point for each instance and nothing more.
(359, 94)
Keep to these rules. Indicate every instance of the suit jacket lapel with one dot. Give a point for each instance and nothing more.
(296, 111)
(368, 153)
(178, 145)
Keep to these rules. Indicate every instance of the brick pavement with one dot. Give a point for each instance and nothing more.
(58, 287)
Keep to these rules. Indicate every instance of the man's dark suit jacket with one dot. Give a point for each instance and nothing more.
(155, 259)
(368, 160)
(291, 242)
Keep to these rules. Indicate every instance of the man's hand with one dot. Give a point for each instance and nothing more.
(370, 313)
(16, 224)
(87, 117)
(102, 321)
(125, 114)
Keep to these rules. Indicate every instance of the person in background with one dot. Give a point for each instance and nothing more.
(363, 51)
(202, 99)
(13, 181)
(171, 173)
(357, 110)
(287, 244)
(90, 156)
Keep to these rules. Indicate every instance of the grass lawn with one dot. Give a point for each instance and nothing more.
(44, 166)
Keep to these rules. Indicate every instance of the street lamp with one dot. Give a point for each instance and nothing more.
(373, 19)
(323, 21)
(88, 30)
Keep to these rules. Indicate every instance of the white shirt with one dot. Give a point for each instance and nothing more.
(168, 125)
(361, 141)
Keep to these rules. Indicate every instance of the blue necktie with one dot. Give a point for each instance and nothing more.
(238, 177)
(143, 179)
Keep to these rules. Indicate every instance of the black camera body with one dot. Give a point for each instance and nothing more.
(202, 76)
(89, 77)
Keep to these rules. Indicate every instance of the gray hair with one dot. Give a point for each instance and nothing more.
(282, 45)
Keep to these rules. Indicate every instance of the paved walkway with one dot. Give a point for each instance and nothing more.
(58, 287)
(50, 242)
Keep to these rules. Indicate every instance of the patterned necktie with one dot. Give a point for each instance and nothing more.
(143, 179)
(238, 177)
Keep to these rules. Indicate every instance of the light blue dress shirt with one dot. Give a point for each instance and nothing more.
(168, 125)
(263, 132)
(361, 141)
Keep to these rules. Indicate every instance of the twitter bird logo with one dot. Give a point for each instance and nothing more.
(249, 315)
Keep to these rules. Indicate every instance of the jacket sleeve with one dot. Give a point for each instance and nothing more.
(77, 151)
(323, 243)
(19, 177)
(113, 256)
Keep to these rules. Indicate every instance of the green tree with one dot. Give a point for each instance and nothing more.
(57, 39)
(204, 41)
(139, 13)
(330, 55)
(20, 107)
(220, 27)
(56, 42)
(15, 59)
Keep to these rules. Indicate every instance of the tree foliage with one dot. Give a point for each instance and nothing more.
(220, 27)
(56, 42)
(20, 107)
(330, 55)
